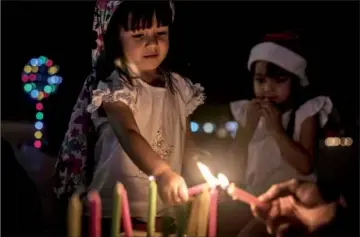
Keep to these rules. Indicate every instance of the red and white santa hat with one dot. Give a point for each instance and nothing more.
(280, 55)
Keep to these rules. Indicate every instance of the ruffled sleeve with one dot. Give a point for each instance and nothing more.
(321, 106)
(238, 110)
(192, 94)
(114, 89)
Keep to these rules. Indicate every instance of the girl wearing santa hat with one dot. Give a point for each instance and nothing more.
(278, 129)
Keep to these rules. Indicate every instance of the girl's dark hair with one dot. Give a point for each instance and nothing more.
(142, 13)
(299, 94)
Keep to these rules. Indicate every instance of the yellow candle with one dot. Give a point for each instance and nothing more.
(203, 214)
(193, 217)
(74, 216)
(116, 215)
(152, 207)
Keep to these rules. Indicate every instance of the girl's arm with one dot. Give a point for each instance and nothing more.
(300, 154)
(122, 121)
(239, 150)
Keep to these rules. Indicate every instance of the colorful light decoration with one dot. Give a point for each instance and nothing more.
(40, 81)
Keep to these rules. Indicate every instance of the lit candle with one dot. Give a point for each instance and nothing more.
(126, 213)
(74, 216)
(238, 193)
(116, 215)
(152, 207)
(214, 194)
(197, 189)
(211, 181)
(241, 195)
(95, 214)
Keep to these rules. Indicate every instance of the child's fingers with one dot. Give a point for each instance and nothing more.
(174, 193)
(183, 193)
(168, 195)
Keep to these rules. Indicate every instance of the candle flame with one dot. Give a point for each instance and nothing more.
(151, 178)
(208, 176)
(223, 181)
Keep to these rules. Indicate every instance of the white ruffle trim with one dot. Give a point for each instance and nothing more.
(320, 105)
(197, 99)
(99, 96)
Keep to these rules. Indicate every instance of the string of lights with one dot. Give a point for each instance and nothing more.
(40, 81)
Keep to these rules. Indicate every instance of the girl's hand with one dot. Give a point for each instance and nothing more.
(172, 187)
(252, 115)
(272, 118)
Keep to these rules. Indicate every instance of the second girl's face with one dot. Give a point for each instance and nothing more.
(146, 48)
(270, 83)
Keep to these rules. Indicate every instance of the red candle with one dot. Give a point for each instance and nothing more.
(95, 214)
(197, 189)
(214, 194)
(240, 194)
(126, 213)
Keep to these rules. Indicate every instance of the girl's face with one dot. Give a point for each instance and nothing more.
(145, 48)
(270, 82)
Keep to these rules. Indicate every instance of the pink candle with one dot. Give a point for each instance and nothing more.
(197, 189)
(214, 194)
(126, 213)
(95, 214)
(242, 195)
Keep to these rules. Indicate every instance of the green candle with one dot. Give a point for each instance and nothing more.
(116, 211)
(152, 207)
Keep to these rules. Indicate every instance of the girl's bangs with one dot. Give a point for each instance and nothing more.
(275, 71)
(138, 15)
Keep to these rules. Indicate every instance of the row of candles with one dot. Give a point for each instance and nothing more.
(121, 206)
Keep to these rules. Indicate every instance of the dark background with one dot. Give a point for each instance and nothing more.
(211, 43)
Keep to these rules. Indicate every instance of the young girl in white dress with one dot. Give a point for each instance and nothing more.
(139, 111)
(279, 128)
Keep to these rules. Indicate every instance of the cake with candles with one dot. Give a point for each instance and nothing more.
(198, 217)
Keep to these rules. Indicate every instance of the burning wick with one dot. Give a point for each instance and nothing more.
(238, 193)
(211, 180)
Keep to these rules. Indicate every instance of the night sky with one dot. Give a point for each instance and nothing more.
(210, 44)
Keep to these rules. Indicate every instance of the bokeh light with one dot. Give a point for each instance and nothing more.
(37, 144)
(194, 126)
(39, 116)
(208, 127)
(39, 125)
(39, 106)
(40, 80)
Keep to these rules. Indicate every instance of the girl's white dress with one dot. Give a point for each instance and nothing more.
(265, 165)
(161, 117)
